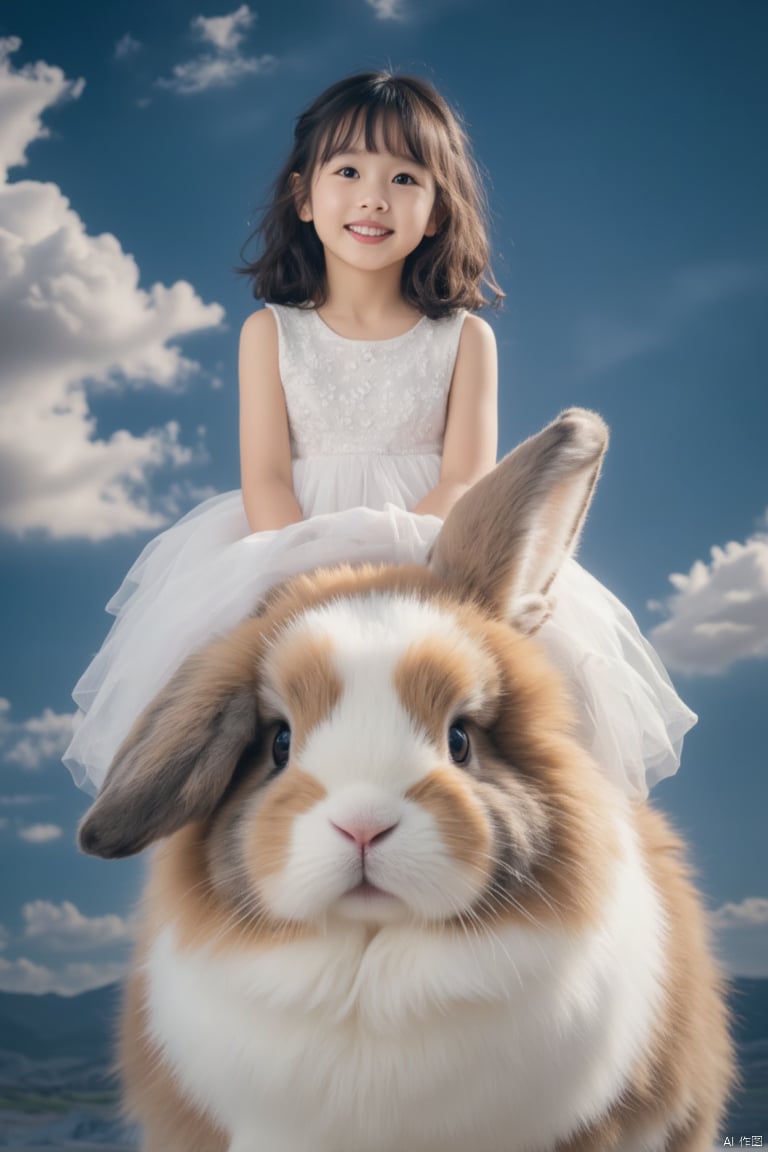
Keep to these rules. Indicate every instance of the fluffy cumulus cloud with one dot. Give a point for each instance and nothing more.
(23, 975)
(36, 741)
(40, 833)
(742, 936)
(72, 312)
(222, 63)
(24, 96)
(63, 927)
(750, 913)
(718, 613)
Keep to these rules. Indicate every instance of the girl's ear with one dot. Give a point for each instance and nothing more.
(302, 201)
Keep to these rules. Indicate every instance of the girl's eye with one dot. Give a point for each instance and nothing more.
(348, 173)
(403, 178)
(458, 743)
(281, 746)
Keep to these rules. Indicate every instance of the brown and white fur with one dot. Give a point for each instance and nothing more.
(384, 944)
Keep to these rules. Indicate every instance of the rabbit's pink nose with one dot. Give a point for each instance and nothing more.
(364, 832)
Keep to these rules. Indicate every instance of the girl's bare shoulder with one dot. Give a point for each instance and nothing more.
(259, 327)
(477, 332)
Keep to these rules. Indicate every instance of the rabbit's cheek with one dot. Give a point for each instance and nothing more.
(448, 862)
(459, 817)
(268, 835)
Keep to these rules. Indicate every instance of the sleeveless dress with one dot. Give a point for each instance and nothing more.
(366, 424)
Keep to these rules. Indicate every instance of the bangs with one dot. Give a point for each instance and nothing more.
(393, 125)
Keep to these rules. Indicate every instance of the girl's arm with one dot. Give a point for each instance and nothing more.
(265, 448)
(471, 429)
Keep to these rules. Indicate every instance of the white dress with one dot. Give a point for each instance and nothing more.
(367, 421)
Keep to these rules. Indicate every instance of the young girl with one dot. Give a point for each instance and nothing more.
(368, 406)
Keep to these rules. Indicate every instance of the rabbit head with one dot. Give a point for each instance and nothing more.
(385, 744)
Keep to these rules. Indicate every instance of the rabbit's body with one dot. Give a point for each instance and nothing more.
(402, 911)
(506, 1042)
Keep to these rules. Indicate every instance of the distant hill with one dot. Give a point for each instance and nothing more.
(44, 1027)
(749, 1004)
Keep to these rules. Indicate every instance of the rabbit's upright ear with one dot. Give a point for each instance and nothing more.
(179, 757)
(506, 538)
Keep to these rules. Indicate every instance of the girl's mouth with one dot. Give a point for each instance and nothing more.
(368, 233)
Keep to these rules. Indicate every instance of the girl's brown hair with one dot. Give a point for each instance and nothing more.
(448, 270)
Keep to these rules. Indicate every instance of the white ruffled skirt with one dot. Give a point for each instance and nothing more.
(207, 572)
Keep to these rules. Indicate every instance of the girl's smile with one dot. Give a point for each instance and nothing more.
(367, 232)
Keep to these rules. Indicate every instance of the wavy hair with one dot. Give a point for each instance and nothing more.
(446, 271)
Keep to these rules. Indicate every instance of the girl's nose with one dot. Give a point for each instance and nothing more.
(373, 198)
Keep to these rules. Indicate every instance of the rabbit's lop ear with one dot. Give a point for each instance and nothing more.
(177, 760)
(506, 538)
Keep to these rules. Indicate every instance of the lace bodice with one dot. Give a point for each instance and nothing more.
(365, 396)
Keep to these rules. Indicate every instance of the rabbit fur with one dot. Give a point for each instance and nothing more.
(394, 906)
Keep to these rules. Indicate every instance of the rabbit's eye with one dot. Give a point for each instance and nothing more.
(281, 746)
(458, 743)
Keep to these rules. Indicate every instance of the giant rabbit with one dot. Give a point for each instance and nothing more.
(394, 906)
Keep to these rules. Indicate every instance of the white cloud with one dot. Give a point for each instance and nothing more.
(33, 742)
(24, 96)
(23, 975)
(742, 936)
(72, 314)
(127, 46)
(387, 9)
(604, 339)
(40, 833)
(225, 33)
(223, 65)
(208, 71)
(719, 611)
(64, 927)
(750, 913)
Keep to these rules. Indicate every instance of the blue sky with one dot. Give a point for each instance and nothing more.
(623, 146)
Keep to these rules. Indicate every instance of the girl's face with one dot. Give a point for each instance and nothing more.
(370, 209)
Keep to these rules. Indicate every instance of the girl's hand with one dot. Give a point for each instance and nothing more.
(471, 430)
(265, 447)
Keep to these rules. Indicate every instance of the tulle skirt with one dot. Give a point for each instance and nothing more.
(207, 572)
